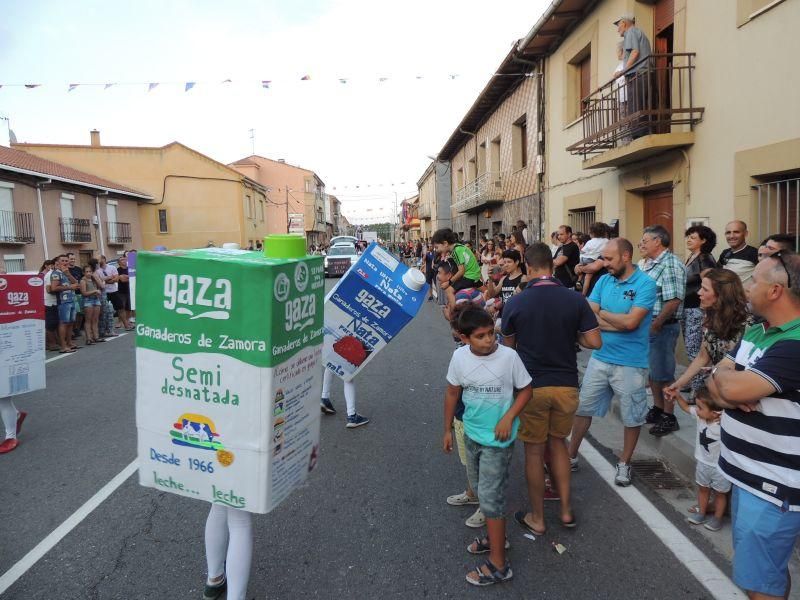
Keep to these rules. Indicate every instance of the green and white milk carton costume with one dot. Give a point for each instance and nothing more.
(228, 371)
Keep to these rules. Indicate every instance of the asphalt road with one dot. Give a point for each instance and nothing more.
(371, 522)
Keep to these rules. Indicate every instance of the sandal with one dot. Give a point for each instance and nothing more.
(519, 517)
(98, 340)
(482, 546)
(495, 575)
(571, 523)
(68, 351)
(693, 509)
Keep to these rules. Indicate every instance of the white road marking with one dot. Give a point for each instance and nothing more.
(703, 569)
(43, 547)
(60, 356)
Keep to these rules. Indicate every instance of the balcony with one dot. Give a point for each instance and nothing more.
(424, 211)
(119, 234)
(75, 231)
(484, 191)
(641, 114)
(16, 227)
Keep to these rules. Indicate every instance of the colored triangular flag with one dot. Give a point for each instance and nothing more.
(189, 85)
(72, 86)
(30, 86)
(305, 78)
(342, 80)
(227, 81)
(151, 87)
(419, 76)
(108, 85)
(266, 83)
(452, 76)
(382, 79)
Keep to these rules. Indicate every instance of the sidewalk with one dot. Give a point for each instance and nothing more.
(677, 451)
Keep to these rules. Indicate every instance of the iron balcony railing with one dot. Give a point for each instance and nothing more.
(75, 231)
(654, 95)
(486, 189)
(779, 208)
(16, 227)
(119, 233)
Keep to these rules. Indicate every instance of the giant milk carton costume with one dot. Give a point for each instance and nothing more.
(367, 308)
(21, 334)
(228, 378)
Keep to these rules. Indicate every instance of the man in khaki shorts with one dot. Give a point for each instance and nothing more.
(544, 323)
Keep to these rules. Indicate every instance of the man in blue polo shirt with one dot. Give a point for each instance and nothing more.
(623, 301)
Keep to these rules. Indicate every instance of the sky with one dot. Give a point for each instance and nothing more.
(377, 135)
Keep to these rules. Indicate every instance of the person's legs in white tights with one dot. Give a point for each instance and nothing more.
(8, 413)
(349, 391)
(229, 548)
(350, 397)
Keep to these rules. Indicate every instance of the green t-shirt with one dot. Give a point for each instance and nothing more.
(464, 256)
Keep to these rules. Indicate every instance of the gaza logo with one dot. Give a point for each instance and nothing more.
(198, 297)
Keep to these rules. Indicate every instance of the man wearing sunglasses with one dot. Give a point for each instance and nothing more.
(759, 384)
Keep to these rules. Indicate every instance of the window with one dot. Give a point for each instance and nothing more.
(581, 218)
(111, 217)
(494, 155)
(472, 171)
(778, 201)
(585, 81)
(579, 82)
(67, 226)
(14, 262)
(8, 229)
(482, 159)
(162, 221)
(519, 144)
(250, 206)
(460, 178)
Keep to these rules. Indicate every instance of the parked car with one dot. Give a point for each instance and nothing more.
(339, 258)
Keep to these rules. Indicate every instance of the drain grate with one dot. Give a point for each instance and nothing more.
(656, 474)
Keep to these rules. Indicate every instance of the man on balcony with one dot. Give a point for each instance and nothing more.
(640, 93)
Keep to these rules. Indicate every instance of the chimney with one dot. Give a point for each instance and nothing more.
(95, 137)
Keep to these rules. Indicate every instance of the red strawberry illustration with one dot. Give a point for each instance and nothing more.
(351, 349)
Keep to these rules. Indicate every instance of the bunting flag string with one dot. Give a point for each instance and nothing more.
(264, 83)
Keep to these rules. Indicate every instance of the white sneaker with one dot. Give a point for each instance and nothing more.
(573, 464)
(476, 520)
(461, 499)
(623, 476)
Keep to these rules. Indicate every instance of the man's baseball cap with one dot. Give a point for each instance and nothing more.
(625, 17)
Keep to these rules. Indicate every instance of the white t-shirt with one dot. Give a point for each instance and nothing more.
(49, 299)
(488, 384)
(620, 83)
(591, 250)
(108, 271)
(706, 443)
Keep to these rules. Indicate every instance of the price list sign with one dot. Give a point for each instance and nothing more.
(21, 334)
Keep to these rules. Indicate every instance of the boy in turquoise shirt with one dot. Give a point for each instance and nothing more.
(495, 387)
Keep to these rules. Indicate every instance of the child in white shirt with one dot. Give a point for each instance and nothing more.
(708, 475)
(591, 251)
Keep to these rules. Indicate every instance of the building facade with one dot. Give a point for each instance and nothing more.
(435, 198)
(197, 200)
(47, 209)
(714, 136)
(295, 195)
(494, 156)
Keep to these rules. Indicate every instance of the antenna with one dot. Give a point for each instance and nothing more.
(253, 141)
(12, 139)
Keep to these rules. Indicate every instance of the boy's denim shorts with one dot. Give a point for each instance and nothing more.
(662, 353)
(487, 471)
(763, 540)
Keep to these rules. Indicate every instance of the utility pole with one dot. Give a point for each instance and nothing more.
(288, 229)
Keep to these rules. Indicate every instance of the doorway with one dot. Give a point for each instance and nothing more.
(664, 26)
(658, 209)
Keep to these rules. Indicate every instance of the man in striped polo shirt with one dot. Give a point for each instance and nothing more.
(759, 384)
